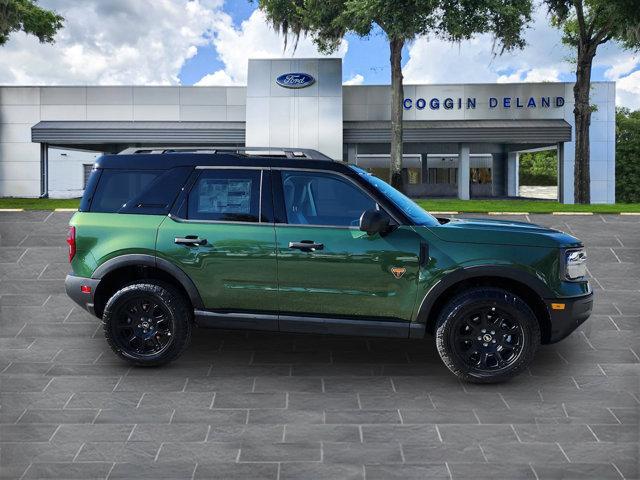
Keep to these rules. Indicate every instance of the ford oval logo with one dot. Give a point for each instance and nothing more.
(295, 80)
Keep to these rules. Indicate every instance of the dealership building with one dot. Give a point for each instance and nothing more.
(460, 140)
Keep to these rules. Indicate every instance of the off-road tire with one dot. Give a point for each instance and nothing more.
(175, 304)
(480, 297)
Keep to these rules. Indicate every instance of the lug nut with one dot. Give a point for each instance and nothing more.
(485, 344)
(493, 341)
(479, 338)
(492, 332)
(483, 331)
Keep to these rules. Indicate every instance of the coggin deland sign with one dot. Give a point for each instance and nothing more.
(469, 103)
(302, 80)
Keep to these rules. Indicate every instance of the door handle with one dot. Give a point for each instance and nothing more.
(306, 245)
(190, 240)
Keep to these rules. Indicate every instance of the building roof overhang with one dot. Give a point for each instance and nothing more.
(477, 131)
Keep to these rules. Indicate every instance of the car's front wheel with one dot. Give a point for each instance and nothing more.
(487, 335)
(147, 323)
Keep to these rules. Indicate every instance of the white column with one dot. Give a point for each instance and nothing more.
(463, 171)
(565, 172)
(513, 167)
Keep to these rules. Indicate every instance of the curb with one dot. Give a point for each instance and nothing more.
(66, 210)
(571, 213)
(508, 213)
(629, 213)
(11, 209)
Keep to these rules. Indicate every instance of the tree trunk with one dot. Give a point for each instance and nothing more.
(397, 97)
(582, 114)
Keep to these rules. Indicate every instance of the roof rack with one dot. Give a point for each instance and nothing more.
(303, 153)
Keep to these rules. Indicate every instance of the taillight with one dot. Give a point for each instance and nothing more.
(71, 241)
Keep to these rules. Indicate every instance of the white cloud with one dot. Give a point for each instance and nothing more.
(114, 42)
(357, 79)
(628, 91)
(531, 75)
(219, 77)
(544, 59)
(433, 60)
(622, 65)
(253, 39)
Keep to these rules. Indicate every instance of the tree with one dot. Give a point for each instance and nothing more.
(587, 24)
(539, 168)
(327, 21)
(627, 156)
(28, 17)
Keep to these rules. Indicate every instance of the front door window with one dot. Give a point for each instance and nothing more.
(315, 198)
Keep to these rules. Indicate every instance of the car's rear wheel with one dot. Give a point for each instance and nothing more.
(487, 335)
(147, 323)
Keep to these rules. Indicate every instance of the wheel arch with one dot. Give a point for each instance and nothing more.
(123, 269)
(531, 289)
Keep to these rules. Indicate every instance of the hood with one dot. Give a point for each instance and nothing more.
(502, 232)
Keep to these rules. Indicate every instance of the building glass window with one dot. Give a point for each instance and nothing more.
(480, 175)
(443, 176)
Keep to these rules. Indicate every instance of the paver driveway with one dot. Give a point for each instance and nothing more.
(261, 405)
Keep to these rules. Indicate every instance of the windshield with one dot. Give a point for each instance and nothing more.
(404, 203)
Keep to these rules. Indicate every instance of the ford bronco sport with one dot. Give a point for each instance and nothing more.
(292, 241)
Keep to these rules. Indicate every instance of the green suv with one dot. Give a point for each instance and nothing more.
(291, 241)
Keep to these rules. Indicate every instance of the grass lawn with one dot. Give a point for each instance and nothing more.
(436, 205)
(529, 206)
(39, 203)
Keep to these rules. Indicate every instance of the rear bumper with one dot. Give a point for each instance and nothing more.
(576, 310)
(73, 284)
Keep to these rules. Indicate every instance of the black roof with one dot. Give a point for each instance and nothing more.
(165, 161)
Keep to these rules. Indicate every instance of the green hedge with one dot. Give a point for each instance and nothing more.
(627, 156)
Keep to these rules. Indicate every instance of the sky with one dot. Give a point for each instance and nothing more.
(208, 42)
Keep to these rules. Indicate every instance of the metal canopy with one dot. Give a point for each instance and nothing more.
(203, 133)
(477, 131)
(86, 133)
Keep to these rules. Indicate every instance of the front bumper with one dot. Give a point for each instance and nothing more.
(576, 310)
(73, 284)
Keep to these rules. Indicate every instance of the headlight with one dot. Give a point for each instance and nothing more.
(575, 264)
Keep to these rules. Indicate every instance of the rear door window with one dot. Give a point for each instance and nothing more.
(226, 195)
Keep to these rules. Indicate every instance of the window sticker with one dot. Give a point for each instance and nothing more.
(225, 196)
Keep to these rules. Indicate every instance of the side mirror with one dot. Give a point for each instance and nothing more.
(373, 221)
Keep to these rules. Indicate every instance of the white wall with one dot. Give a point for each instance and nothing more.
(308, 117)
(19, 158)
(66, 171)
(23, 107)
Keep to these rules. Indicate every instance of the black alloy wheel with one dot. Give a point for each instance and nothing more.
(148, 323)
(488, 339)
(487, 335)
(143, 326)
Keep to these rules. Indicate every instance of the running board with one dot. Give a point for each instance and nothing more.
(322, 325)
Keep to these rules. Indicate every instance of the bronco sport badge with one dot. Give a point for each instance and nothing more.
(398, 271)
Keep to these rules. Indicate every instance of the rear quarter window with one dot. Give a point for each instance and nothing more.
(116, 187)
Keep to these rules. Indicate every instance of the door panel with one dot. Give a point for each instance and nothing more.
(234, 270)
(346, 272)
(232, 259)
(351, 275)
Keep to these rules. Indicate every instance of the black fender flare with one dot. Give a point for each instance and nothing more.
(457, 276)
(135, 259)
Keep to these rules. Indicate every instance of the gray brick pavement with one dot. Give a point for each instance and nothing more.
(268, 406)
